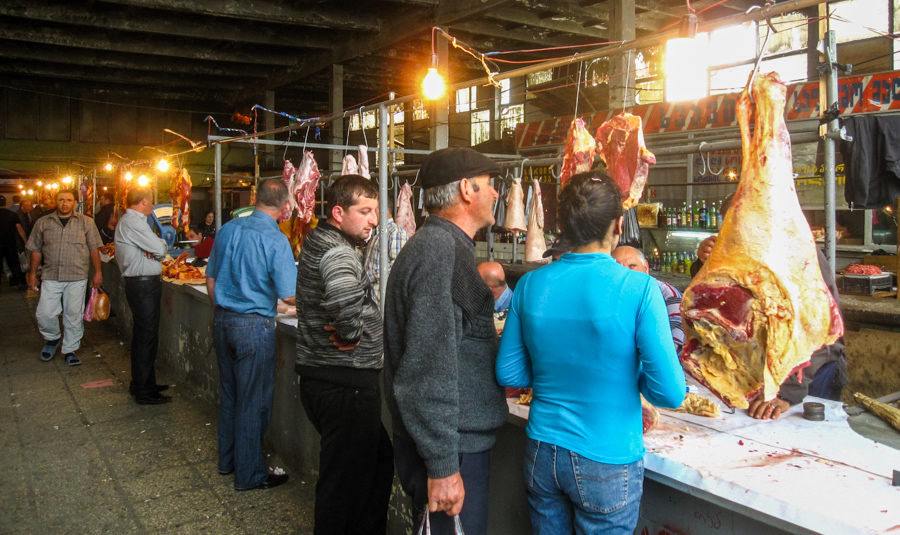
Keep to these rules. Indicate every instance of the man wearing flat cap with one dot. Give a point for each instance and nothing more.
(440, 348)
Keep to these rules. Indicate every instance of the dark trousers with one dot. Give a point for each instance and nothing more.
(474, 468)
(245, 349)
(143, 296)
(356, 464)
(9, 252)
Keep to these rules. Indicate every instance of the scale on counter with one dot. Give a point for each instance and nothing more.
(866, 284)
(160, 219)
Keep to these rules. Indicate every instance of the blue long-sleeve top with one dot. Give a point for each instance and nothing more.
(589, 336)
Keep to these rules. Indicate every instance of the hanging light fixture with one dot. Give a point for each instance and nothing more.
(142, 180)
(128, 175)
(67, 180)
(109, 166)
(433, 84)
(39, 183)
(163, 165)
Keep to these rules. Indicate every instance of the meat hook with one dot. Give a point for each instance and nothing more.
(522, 169)
(361, 127)
(555, 175)
(707, 165)
(416, 179)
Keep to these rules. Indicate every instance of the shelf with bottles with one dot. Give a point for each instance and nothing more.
(696, 216)
(672, 262)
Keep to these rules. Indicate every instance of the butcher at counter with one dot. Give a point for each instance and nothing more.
(827, 373)
(585, 449)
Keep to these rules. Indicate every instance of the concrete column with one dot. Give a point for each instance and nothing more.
(621, 27)
(440, 110)
(336, 101)
(495, 114)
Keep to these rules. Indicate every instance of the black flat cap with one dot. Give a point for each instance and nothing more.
(455, 163)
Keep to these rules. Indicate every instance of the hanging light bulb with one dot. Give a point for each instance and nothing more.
(67, 180)
(31, 192)
(142, 180)
(109, 167)
(104, 188)
(21, 186)
(433, 84)
(54, 186)
(128, 175)
(163, 166)
(39, 183)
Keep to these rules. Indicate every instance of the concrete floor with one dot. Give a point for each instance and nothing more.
(90, 460)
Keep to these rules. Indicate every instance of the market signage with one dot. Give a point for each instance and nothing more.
(856, 94)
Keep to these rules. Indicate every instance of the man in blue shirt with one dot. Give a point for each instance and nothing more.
(493, 275)
(251, 266)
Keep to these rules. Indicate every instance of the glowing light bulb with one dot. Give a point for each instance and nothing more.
(109, 167)
(67, 180)
(21, 186)
(31, 192)
(39, 183)
(48, 186)
(433, 85)
(54, 186)
(163, 165)
(128, 175)
(104, 188)
(142, 180)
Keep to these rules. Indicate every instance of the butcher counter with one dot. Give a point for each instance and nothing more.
(787, 476)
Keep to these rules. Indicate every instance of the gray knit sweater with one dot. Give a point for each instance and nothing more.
(332, 289)
(440, 348)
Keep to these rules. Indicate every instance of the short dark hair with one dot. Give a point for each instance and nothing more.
(270, 193)
(346, 191)
(136, 195)
(109, 196)
(16, 199)
(588, 204)
(69, 191)
(2, 200)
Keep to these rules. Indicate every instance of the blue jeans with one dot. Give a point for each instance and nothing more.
(245, 348)
(569, 493)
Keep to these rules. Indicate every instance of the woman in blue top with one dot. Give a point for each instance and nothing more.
(589, 336)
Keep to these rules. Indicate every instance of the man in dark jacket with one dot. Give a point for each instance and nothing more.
(106, 225)
(339, 359)
(9, 232)
(441, 345)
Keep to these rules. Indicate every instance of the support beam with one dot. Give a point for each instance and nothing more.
(530, 18)
(12, 67)
(621, 75)
(336, 100)
(319, 15)
(534, 36)
(102, 91)
(134, 44)
(164, 24)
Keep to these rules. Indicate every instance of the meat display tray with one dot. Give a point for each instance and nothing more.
(865, 284)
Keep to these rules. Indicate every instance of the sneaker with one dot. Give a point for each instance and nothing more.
(72, 360)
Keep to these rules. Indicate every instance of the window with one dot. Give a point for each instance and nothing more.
(368, 120)
(466, 99)
(481, 126)
(861, 14)
(732, 44)
(537, 78)
(419, 110)
(793, 34)
(730, 80)
(504, 92)
(510, 117)
(687, 61)
(790, 68)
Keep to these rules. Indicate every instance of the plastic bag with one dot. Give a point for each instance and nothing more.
(425, 526)
(89, 308)
(631, 231)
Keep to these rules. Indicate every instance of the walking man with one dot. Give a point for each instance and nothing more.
(339, 359)
(251, 266)
(68, 244)
(10, 231)
(139, 252)
(440, 348)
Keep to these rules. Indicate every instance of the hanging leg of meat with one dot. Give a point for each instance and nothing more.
(288, 175)
(758, 308)
(515, 208)
(579, 152)
(405, 217)
(620, 143)
(186, 190)
(363, 169)
(306, 183)
(349, 167)
(535, 245)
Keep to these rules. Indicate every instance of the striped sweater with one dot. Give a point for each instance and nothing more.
(332, 289)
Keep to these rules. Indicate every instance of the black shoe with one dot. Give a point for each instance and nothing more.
(159, 388)
(153, 398)
(228, 473)
(268, 483)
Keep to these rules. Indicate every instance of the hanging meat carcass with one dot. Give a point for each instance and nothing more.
(758, 308)
(306, 183)
(515, 208)
(180, 194)
(406, 218)
(288, 175)
(87, 195)
(348, 166)
(535, 245)
(579, 152)
(620, 144)
(363, 168)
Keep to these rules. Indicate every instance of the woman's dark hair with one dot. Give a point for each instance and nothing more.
(588, 204)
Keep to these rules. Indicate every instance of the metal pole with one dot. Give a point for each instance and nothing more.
(490, 230)
(218, 199)
(831, 91)
(384, 177)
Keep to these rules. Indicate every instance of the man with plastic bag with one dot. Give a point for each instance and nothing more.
(139, 252)
(440, 348)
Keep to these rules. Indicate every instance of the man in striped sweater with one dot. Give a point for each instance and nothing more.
(635, 260)
(339, 360)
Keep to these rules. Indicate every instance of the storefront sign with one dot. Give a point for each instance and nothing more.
(856, 94)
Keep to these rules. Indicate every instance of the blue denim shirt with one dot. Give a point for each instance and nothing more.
(252, 264)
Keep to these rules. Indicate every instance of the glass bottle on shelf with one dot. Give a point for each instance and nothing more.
(711, 216)
(661, 217)
(695, 216)
(703, 214)
(680, 262)
(684, 215)
(688, 263)
(719, 216)
(673, 266)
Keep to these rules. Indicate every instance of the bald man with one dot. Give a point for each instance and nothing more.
(635, 260)
(493, 275)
